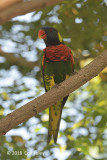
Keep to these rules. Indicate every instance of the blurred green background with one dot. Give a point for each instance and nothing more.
(83, 129)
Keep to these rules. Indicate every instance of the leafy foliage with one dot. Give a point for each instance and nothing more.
(83, 131)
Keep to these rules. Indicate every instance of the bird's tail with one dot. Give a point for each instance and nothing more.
(55, 112)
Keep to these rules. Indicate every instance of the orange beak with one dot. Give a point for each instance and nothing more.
(42, 34)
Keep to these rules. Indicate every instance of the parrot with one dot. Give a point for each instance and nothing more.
(57, 65)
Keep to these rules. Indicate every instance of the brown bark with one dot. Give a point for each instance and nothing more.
(8, 3)
(13, 60)
(55, 94)
(13, 8)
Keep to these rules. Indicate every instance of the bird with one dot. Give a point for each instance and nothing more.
(57, 65)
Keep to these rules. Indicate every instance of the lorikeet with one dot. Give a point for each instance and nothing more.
(57, 65)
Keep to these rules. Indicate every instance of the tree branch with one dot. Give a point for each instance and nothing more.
(13, 8)
(13, 60)
(54, 95)
(8, 3)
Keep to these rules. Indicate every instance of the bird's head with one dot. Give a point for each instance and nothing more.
(50, 36)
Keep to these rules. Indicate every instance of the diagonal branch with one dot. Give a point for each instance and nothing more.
(8, 3)
(55, 94)
(13, 8)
